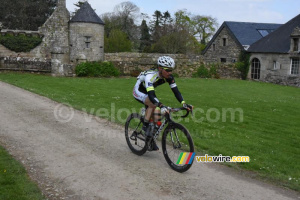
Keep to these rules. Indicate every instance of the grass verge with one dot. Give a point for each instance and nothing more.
(232, 117)
(14, 181)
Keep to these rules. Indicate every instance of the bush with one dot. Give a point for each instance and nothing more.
(20, 43)
(204, 72)
(96, 69)
(213, 71)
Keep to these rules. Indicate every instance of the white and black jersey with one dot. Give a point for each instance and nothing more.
(146, 83)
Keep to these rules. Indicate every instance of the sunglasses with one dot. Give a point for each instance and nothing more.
(168, 69)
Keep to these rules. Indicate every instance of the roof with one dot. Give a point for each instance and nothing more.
(86, 14)
(278, 41)
(245, 33)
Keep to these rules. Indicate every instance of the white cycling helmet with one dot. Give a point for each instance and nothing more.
(166, 61)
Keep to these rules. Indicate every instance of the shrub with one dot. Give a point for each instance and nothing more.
(204, 72)
(20, 43)
(96, 69)
(213, 71)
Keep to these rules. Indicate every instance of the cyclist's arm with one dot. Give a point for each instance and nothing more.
(175, 90)
(153, 98)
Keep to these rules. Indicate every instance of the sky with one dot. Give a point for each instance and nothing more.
(262, 11)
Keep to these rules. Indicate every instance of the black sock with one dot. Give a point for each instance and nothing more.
(146, 123)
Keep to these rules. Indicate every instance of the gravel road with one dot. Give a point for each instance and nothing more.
(84, 157)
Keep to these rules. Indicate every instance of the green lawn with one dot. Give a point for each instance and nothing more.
(14, 181)
(265, 125)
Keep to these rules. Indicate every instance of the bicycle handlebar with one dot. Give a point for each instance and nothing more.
(182, 108)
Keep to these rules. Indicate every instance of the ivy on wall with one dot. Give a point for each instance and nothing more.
(20, 43)
(243, 64)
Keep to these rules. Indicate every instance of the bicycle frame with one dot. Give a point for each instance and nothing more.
(167, 121)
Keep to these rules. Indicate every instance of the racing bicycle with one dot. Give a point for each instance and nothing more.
(176, 139)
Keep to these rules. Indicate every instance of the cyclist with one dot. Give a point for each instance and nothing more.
(144, 92)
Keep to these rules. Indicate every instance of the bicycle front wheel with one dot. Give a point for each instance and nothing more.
(134, 135)
(177, 146)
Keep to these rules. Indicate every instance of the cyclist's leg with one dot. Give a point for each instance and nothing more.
(144, 99)
(149, 113)
(150, 109)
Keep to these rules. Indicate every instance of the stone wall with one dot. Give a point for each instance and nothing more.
(25, 64)
(290, 80)
(54, 47)
(130, 62)
(186, 65)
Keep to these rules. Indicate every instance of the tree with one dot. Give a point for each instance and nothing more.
(25, 14)
(78, 4)
(145, 37)
(126, 12)
(111, 22)
(183, 20)
(117, 42)
(156, 25)
(176, 34)
(176, 42)
(204, 27)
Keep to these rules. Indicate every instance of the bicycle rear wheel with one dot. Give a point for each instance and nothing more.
(134, 135)
(177, 144)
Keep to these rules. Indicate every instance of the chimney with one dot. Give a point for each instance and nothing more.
(61, 3)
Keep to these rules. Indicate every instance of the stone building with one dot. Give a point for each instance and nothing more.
(65, 43)
(86, 35)
(276, 57)
(233, 37)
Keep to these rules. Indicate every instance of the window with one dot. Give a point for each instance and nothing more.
(296, 43)
(265, 32)
(223, 60)
(214, 47)
(295, 64)
(255, 69)
(87, 41)
(224, 42)
(276, 65)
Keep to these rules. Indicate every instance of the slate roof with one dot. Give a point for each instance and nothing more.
(86, 14)
(278, 41)
(244, 33)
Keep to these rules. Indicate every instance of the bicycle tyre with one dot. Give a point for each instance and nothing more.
(133, 133)
(171, 153)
